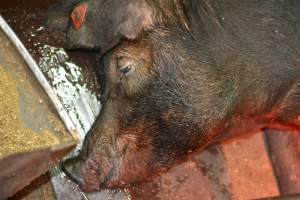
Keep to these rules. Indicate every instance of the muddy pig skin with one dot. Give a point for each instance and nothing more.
(182, 74)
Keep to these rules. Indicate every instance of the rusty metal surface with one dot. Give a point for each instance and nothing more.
(249, 168)
(38, 189)
(18, 170)
(285, 154)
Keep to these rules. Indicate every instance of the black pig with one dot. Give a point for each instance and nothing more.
(182, 74)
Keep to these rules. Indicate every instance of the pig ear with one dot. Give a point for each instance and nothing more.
(59, 14)
(137, 18)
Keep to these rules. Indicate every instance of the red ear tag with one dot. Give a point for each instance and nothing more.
(78, 15)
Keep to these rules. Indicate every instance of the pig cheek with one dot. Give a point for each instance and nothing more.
(95, 173)
(135, 154)
(124, 141)
(123, 145)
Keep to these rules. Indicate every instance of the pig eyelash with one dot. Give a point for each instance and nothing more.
(126, 66)
(127, 69)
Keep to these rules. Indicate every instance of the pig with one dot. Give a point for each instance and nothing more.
(58, 14)
(181, 75)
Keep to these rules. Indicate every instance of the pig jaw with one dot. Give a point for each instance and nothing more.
(106, 168)
(89, 175)
(112, 156)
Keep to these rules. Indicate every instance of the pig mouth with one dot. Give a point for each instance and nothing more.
(89, 175)
(69, 167)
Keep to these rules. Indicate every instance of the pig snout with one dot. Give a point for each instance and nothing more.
(90, 174)
(113, 160)
(96, 166)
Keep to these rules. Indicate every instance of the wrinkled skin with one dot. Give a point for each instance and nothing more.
(203, 71)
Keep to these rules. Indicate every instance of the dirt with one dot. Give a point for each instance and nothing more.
(14, 136)
(28, 23)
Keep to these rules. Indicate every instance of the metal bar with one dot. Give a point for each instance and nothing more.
(18, 170)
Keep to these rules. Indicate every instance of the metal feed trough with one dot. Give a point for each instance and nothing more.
(39, 124)
(36, 113)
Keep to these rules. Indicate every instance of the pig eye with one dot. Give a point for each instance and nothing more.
(127, 69)
(78, 15)
(126, 66)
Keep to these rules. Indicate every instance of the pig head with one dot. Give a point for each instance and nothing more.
(145, 124)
